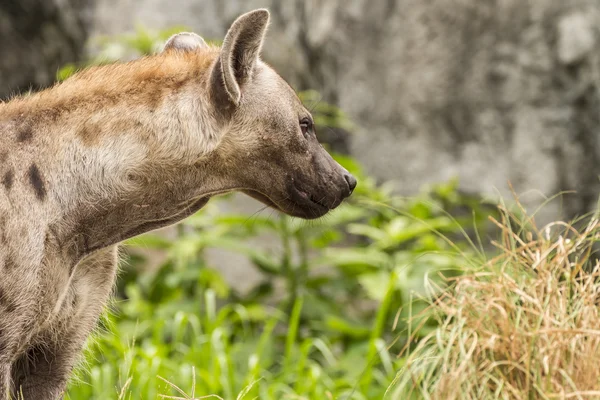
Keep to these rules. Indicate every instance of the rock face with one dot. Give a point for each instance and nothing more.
(38, 37)
(489, 90)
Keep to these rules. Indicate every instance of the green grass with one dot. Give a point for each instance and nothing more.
(224, 352)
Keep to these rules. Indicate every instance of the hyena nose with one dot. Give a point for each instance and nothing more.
(351, 182)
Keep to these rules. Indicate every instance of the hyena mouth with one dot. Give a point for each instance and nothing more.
(302, 197)
(319, 201)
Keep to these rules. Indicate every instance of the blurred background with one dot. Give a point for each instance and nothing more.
(435, 105)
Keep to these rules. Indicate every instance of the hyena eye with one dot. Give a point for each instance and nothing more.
(306, 126)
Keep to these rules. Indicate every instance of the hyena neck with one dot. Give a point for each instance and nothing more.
(115, 151)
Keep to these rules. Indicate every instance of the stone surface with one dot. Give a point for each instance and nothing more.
(38, 37)
(489, 91)
(576, 37)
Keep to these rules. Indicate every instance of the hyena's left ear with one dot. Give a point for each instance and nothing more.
(185, 41)
(240, 51)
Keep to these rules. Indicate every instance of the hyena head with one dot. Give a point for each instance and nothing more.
(267, 147)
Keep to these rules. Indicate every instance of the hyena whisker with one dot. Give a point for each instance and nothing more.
(255, 214)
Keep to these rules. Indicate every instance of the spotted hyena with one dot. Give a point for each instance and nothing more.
(122, 149)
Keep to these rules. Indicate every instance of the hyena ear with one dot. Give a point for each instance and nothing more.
(185, 41)
(240, 51)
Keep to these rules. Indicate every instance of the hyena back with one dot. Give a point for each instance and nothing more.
(119, 150)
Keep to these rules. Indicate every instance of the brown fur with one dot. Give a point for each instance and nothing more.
(119, 150)
(144, 81)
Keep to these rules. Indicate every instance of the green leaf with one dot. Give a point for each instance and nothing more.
(346, 327)
(265, 263)
(400, 233)
(214, 280)
(250, 223)
(357, 257)
(375, 284)
(369, 231)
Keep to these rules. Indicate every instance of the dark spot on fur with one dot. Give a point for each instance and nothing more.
(3, 230)
(133, 177)
(9, 264)
(3, 342)
(7, 181)
(6, 303)
(36, 181)
(25, 134)
(3, 156)
(10, 306)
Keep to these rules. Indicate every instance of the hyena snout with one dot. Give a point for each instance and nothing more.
(351, 181)
(306, 190)
(341, 180)
(346, 183)
(345, 187)
(315, 196)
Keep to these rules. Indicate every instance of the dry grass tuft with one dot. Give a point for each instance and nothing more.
(526, 326)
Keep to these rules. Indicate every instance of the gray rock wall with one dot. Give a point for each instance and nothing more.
(486, 90)
(37, 37)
